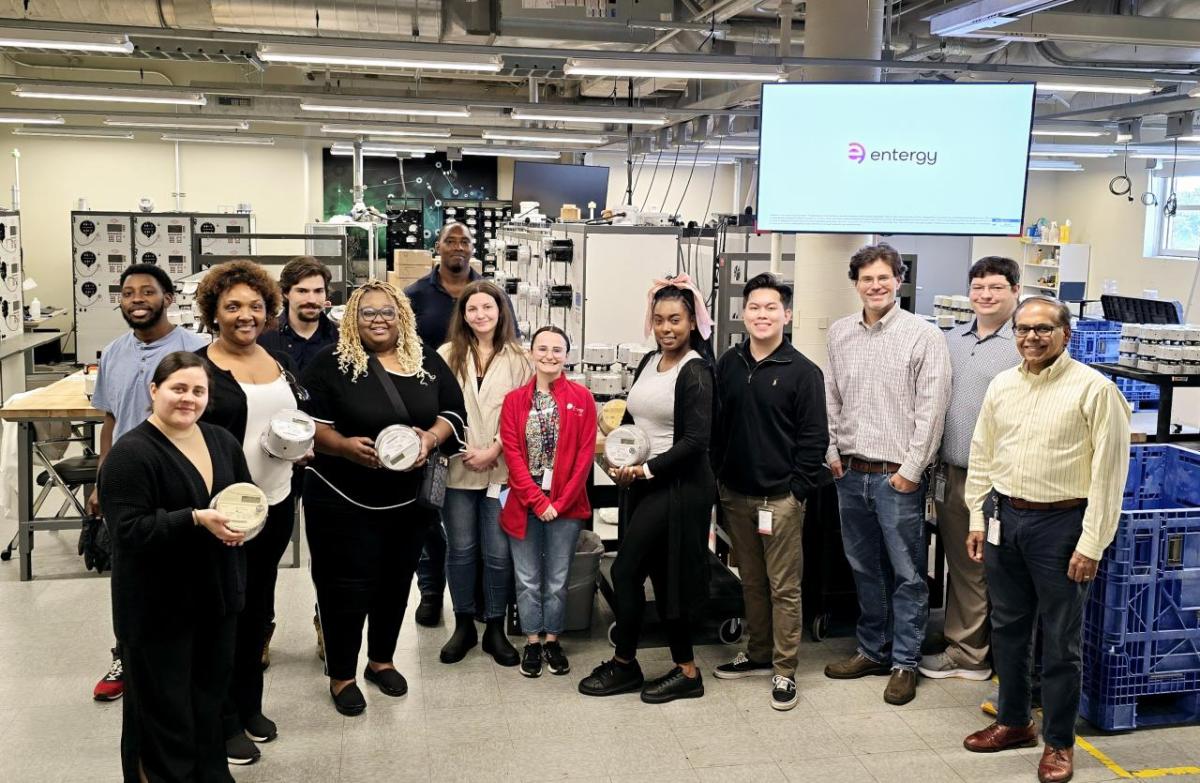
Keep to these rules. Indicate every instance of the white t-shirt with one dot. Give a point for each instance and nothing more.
(651, 402)
(263, 400)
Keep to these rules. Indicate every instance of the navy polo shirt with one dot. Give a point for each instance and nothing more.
(285, 340)
(433, 305)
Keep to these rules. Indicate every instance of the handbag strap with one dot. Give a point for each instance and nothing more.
(389, 388)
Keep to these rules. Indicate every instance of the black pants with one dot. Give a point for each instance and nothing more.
(362, 565)
(262, 565)
(171, 718)
(643, 553)
(1027, 582)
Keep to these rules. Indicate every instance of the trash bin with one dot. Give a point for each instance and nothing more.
(581, 581)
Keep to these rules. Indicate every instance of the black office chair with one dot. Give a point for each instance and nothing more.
(75, 476)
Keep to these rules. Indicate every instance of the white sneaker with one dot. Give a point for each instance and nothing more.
(942, 666)
(783, 692)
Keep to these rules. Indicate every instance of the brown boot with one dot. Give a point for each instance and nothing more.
(1057, 765)
(857, 665)
(996, 737)
(901, 688)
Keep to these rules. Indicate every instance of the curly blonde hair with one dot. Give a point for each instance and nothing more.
(352, 358)
(223, 277)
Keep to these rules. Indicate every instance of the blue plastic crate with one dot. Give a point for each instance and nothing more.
(1141, 628)
(1095, 341)
(1137, 391)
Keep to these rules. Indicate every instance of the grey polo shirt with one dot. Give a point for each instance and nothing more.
(126, 367)
(976, 362)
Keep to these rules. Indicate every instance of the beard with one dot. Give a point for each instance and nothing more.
(455, 264)
(149, 321)
(308, 314)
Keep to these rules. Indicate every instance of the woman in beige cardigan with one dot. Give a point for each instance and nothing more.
(488, 363)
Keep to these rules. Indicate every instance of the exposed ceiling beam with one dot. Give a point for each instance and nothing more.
(1098, 28)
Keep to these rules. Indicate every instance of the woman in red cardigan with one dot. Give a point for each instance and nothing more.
(548, 431)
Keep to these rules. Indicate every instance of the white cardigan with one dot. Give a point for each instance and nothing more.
(509, 370)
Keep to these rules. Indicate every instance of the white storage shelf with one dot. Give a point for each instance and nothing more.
(1046, 266)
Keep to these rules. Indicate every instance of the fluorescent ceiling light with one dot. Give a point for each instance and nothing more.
(356, 130)
(342, 152)
(729, 147)
(1068, 154)
(1165, 156)
(182, 123)
(591, 116)
(1110, 88)
(414, 57)
(76, 133)
(62, 40)
(1073, 133)
(1054, 165)
(390, 149)
(352, 106)
(504, 152)
(565, 138)
(29, 118)
(671, 69)
(64, 93)
(265, 141)
(966, 17)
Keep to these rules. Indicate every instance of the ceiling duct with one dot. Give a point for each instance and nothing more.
(387, 19)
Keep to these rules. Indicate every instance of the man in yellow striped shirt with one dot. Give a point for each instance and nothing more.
(1046, 473)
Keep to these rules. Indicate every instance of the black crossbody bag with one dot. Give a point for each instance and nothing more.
(431, 493)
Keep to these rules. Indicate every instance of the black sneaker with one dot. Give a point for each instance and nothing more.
(673, 685)
(531, 661)
(556, 659)
(783, 693)
(240, 750)
(612, 677)
(429, 611)
(742, 666)
(260, 728)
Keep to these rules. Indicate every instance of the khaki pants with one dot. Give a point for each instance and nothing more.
(770, 567)
(967, 629)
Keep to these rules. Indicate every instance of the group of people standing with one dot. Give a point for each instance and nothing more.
(756, 432)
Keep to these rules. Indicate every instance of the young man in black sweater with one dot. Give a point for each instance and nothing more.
(768, 450)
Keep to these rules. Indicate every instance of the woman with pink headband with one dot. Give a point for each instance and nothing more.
(667, 500)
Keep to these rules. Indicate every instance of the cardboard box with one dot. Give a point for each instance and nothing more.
(400, 281)
(412, 257)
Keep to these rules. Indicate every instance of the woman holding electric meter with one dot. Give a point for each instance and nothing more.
(383, 405)
(668, 496)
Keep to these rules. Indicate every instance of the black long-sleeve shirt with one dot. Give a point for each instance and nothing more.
(168, 571)
(771, 432)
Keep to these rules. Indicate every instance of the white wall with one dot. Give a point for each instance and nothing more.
(670, 194)
(283, 184)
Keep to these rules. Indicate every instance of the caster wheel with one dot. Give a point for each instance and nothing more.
(6, 555)
(819, 627)
(612, 634)
(730, 631)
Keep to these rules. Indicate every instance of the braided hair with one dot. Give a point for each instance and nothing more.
(352, 358)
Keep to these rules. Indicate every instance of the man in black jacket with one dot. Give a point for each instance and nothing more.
(768, 448)
(304, 328)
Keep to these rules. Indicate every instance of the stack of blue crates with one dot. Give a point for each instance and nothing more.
(1098, 341)
(1141, 626)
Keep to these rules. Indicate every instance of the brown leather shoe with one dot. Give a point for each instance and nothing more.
(996, 737)
(901, 688)
(1057, 765)
(857, 665)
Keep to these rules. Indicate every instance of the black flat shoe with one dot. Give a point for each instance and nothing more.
(612, 677)
(429, 611)
(673, 685)
(240, 750)
(260, 728)
(390, 681)
(350, 701)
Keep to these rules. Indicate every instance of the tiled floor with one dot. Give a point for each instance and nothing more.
(477, 721)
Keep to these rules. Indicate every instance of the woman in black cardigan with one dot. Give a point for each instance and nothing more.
(237, 301)
(178, 578)
(668, 500)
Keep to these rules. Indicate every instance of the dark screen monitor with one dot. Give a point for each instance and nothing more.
(555, 184)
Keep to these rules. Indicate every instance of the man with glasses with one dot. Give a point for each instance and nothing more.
(1047, 469)
(979, 350)
(886, 393)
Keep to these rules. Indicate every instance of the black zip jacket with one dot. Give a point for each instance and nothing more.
(771, 432)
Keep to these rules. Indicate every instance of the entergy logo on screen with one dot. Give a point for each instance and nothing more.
(858, 153)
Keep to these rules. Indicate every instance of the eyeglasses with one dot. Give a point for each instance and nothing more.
(369, 314)
(298, 390)
(1041, 330)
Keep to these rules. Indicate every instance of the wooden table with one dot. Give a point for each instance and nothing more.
(61, 401)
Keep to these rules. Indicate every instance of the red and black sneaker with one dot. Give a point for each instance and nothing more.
(112, 685)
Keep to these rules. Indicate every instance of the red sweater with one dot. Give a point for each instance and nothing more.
(573, 455)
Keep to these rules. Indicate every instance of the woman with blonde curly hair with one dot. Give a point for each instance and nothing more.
(237, 301)
(365, 529)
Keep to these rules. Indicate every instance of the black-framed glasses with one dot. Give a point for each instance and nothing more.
(1041, 330)
(368, 314)
(298, 390)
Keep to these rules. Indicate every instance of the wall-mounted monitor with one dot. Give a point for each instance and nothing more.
(868, 158)
(555, 184)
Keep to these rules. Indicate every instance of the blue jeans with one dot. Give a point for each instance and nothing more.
(431, 568)
(472, 522)
(541, 562)
(884, 538)
(1029, 569)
